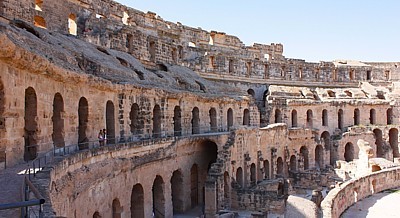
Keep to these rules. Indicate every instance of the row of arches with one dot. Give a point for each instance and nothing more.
(340, 117)
(136, 116)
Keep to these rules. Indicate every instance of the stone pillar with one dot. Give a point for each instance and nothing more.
(210, 204)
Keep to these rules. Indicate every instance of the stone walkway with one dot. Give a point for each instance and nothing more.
(383, 204)
(11, 181)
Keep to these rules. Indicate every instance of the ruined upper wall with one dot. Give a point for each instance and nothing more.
(214, 55)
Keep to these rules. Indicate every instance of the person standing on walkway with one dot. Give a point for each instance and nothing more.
(101, 138)
(104, 137)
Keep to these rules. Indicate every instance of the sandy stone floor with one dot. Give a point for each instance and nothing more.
(384, 204)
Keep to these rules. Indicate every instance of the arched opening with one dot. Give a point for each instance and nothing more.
(38, 5)
(152, 50)
(394, 141)
(293, 163)
(304, 157)
(137, 201)
(213, 120)
(231, 66)
(251, 92)
(230, 118)
(158, 197)
(331, 93)
(136, 120)
(266, 169)
(157, 121)
(116, 209)
(72, 27)
(194, 185)
(246, 117)
(177, 121)
(294, 118)
(324, 117)
(356, 116)
(195, 121)
(83, 117)
(340, 119)
(389, 116)
(372, 116)
(39, 21)
(253, 173)
(239, 177)
(376, 168)
(326, 143)
(349, 152)
(96, 215)
(379, 143)
(31, 125)
(355, 193)
(58, 121)
(319, 157)
(177, 189)
(279, 167)
(227, 193)
(373, 185)
(278, 116)
(110, 122)
(309, 119)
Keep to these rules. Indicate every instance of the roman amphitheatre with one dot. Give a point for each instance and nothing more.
(198, 124)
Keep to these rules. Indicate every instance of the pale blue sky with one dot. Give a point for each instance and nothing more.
(314, 30)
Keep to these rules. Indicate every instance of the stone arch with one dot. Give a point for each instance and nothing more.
(325, 117)
(72, 26)
(373, 186)
(326, 143)
(31, 125)
(96, 215)
(83, 117)
(251, 92)
(157, 121)
(356, 116)
(58, 121)
(253, 173)
(372, 116)
(309, 119)
(304, 157)
(110, 122)
(278, 116)
(293, 163)
(319, 156)
(340, 119)
(194, 185)
(116, 209)
(394, 141)
(152, 50)
(389, 116)
(195, 121)
(158, 197)
(266, 169)
(379, 143)
(246, 117)
(213, 120)
(279, 167)
(136, 120)
(349, 152)
(294, 118)
(177, 189)
(230, 118)
(239, 177)
(177, 121)
(137, 201)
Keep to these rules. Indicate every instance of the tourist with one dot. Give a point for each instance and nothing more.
(104, 137)
(101, 138)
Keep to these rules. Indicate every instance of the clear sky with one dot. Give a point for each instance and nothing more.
(314, 30)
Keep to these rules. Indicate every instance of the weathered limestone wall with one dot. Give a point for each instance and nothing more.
(95, 178)
(342, 197)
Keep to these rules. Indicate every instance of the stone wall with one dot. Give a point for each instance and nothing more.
(346, 194)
